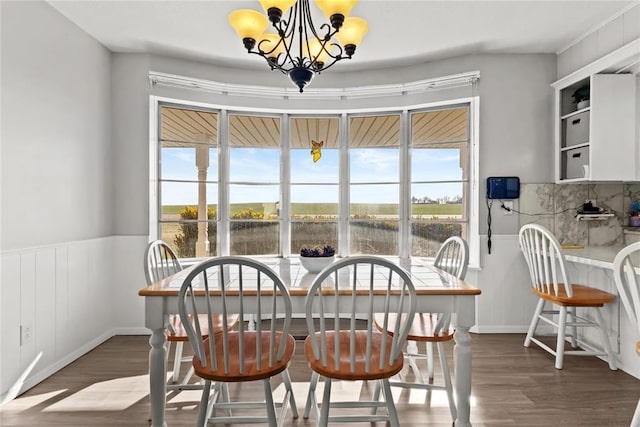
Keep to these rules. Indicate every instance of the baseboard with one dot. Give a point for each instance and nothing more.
(500, 329)
(131, 331)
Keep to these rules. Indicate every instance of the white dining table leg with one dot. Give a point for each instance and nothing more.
(462, 354)
(155, 320)
(464, 319)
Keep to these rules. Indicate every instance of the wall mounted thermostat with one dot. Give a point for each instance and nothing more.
(503, 187)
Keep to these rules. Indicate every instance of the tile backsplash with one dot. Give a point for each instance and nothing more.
(554, 206)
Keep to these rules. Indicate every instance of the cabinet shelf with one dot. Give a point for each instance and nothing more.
(594, 217)
(573, 113)
(583, 138)
(571, 147)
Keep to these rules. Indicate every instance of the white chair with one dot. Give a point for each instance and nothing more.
(452, 257)
(160, 263)
(242, 286)
(357, 351)
(626, 273)
(551, 283)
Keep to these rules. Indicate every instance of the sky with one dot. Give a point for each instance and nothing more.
(261, 165)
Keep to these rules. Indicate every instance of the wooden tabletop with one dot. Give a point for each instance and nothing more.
(427, 279)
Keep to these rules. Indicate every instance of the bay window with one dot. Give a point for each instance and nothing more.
(268, 183)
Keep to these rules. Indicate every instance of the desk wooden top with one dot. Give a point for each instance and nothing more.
(427, 279)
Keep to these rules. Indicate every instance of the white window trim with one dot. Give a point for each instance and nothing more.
(473, 237)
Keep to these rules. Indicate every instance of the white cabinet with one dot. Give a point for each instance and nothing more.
(597, 142)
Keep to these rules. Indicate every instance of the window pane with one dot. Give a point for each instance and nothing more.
(374, 237)
(374, 165)
(448, 125)
(374, 131)
(255, 238)
(427, 237)
(438, 164)
(314, 201)
(183, 237)
(254, 165)
(310, 233)
(438, 201)
(254, 201)
(305, 170)
(374, 201)
(254, 131)
(187, 125)
(176, 196)
(179, 162)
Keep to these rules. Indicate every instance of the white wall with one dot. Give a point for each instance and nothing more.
(605, 38)
(56, 130)
(57, 192)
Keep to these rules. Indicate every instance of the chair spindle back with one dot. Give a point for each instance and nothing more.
(245, 287)
(626, 270)
(332, 296)
(160, 261)
(453, 257)
(545, 260)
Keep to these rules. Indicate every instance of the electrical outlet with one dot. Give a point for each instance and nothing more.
(508, 204)
(26, 334)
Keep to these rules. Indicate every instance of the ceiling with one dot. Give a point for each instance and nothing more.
(400, 32)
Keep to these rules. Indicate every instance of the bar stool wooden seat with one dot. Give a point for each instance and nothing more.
(551, 283)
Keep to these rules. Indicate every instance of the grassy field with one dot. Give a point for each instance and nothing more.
(332, 208)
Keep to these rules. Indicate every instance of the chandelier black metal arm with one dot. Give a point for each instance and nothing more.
(298, 48)
(294, 52)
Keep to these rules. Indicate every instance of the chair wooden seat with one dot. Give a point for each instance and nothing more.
(251, 370)
(360, 372)
(423, 328)
(177, 333)
(583, 296)
(355, 351)
(246, 288)
(453, 258)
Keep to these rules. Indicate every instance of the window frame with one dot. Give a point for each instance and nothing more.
(223, 219)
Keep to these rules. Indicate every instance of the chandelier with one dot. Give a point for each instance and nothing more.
(298, 48)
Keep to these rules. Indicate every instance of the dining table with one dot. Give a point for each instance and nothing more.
(436, 291)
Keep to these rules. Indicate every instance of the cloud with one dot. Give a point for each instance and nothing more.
(188, 157)
(377, 159)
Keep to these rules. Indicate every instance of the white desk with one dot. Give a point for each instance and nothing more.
(596, 256)
(437, 291)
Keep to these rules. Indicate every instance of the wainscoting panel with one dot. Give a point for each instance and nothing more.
(27, 307)
(45, 306)
(128, 279)
(506, 303)
(9, 321)
(57, 303)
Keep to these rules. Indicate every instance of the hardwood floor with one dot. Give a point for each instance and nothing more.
(512, 386)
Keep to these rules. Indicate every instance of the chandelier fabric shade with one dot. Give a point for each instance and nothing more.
(298, 48)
